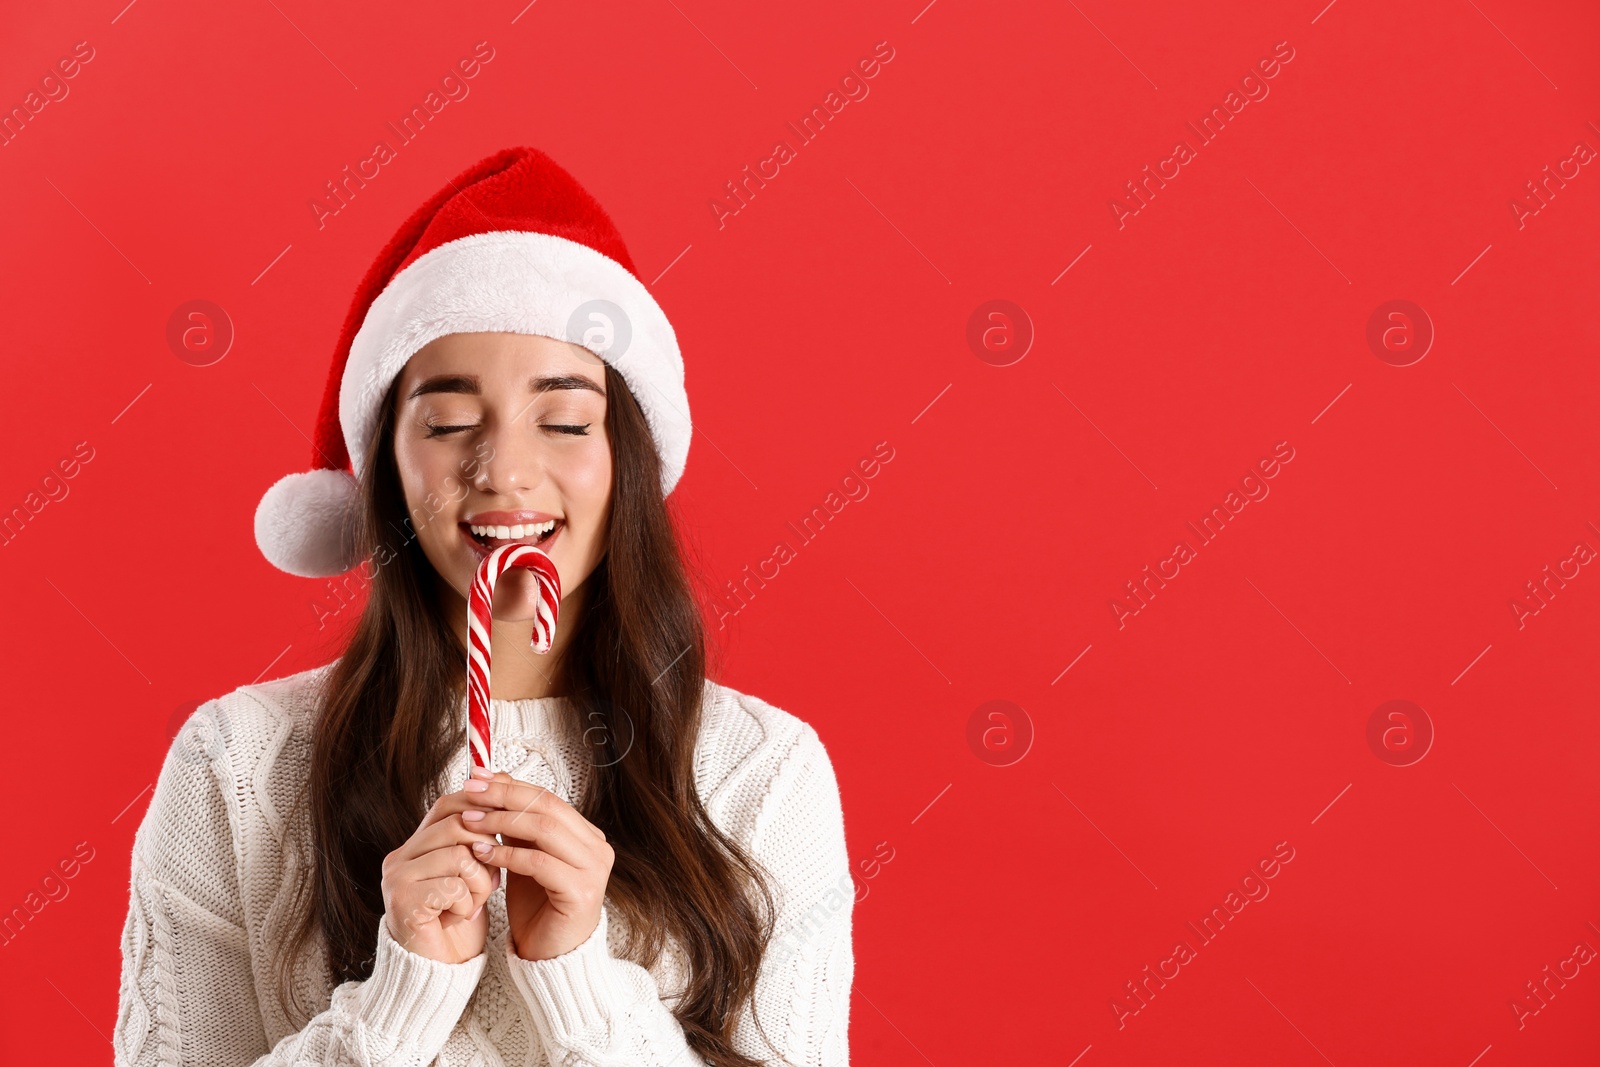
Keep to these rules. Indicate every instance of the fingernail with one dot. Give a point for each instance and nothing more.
(482, 772)
(482, 848)
(472, 816)
(479, 911)
(476, 785)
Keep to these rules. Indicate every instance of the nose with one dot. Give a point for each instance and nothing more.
(512, 463)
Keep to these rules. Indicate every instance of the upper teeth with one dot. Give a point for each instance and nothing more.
(506, 532)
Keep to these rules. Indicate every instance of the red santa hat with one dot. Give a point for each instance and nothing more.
(514, 244)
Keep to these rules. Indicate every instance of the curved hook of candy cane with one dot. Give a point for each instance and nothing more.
(480, 603)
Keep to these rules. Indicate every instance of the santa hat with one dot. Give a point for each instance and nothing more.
(514, 244)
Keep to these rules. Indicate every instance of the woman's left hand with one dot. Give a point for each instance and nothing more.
(557, 863)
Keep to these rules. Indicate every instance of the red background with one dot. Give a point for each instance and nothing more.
(830, 314)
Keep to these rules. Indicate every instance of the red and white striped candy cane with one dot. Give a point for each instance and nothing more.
(480, 603)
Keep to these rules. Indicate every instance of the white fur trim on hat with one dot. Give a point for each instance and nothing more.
(306, 523)
(512, 281)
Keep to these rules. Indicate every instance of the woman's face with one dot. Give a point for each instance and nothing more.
(505, 430)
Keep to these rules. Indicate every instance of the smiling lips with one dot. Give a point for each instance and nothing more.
(488, 530)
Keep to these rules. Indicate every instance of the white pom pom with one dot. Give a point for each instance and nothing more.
(306, 523)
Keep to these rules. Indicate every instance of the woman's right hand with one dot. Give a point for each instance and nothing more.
(434, 888)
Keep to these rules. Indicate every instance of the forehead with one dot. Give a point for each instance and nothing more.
(500, 360)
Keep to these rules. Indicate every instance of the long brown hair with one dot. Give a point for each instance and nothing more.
(635, 665)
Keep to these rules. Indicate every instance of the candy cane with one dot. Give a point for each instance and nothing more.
(479, 605)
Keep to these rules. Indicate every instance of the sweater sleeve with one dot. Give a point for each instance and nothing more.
(595, 1010)
(187, 992)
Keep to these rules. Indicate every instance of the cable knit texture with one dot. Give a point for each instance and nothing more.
(222, 849)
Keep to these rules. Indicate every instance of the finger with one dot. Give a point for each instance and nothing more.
(452, 860)
(506, 792)
(434, 897)
(477, 879)
(576, 817)
(450, 830)
(557, 878)
(546, 833)
(449, 803)
(446, 805)
(562, 810)
(481, 878)
(482, 881)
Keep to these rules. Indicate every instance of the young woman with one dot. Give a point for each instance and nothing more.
(656, 873)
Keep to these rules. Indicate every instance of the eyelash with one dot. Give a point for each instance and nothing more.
(575, 431)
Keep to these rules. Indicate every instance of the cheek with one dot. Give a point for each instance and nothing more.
(412, 475)
(587, 478)
(425, 472)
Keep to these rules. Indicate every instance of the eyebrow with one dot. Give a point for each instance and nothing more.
(469, 384)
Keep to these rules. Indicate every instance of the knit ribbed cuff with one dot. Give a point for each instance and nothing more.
(575, 995)
(416, 1000)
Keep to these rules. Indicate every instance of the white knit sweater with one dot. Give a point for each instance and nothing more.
(218, 855)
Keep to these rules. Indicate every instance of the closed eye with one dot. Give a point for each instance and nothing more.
(445, 431)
